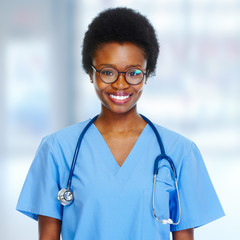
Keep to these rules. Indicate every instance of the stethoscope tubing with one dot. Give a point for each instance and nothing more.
(155, 170)
(69, 182)
(162, 150)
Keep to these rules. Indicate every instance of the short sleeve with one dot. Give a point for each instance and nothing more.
(39, 192)
(199, 202)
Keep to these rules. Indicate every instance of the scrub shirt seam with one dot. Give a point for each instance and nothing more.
(34, 212)
(185, 160)
(51, 152)
(197, 224)
(50, 142)
(200, 222)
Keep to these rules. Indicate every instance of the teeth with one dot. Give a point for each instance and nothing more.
(119, 97)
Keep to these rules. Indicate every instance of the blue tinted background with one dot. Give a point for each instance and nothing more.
(195, 91)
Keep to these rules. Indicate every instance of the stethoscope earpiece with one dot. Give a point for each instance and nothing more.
(65, 196)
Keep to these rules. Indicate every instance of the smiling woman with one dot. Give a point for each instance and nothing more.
(112, 169)
(119, 95)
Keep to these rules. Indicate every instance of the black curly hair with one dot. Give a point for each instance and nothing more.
(120, 25)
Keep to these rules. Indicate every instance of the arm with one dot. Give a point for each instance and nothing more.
(183, 235)
(49, 228)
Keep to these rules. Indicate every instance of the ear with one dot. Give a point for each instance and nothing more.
(91, 77)
(146, 80)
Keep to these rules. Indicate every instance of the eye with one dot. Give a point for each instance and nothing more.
(134, 72)
(107, 72)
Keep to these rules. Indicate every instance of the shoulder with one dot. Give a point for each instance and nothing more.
(174, 141)
(69, 130)
(183, 152)
(65, 138)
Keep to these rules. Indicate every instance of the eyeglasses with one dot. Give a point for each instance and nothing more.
(109, 75)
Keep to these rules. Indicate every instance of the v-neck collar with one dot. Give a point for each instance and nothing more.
(122, 173)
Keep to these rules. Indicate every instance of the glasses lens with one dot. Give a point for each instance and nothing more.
(134, 76)
(108, 74)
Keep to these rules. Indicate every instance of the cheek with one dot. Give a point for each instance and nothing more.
(96, 81)
(139, 89)
(99, 86)
(139, 94)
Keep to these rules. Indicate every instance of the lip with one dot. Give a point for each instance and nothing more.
(119, 98)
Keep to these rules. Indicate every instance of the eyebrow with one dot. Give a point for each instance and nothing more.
(113, 65)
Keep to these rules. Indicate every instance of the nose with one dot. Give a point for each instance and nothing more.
(121, 82)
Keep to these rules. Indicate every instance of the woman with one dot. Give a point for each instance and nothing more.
(112, 179)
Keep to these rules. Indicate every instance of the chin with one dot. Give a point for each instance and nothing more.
(122, 110)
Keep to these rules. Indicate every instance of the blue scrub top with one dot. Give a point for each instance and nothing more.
(113, 202)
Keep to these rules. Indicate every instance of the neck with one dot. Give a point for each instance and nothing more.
(119, 122)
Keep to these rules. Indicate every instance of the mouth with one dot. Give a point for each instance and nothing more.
(119, 99)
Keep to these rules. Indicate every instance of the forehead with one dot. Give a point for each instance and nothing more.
(119, 54)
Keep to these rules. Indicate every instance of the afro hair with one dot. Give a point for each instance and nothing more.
(120, 25)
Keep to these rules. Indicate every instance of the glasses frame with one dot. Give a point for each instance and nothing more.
(99, 71)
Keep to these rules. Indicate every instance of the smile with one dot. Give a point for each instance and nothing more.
(119, 97)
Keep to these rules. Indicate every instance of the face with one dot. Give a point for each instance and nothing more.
(120, 96)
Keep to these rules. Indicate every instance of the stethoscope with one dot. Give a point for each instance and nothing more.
(65, 195)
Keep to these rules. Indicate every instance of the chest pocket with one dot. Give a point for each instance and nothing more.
(164, 187)
(165, 178)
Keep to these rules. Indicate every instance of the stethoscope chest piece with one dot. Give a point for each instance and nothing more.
(65, 196)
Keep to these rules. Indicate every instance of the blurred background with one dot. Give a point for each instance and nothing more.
(195, 91)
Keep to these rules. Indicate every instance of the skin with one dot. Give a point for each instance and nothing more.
(119, 122)
(184, 234)
(49, 228)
